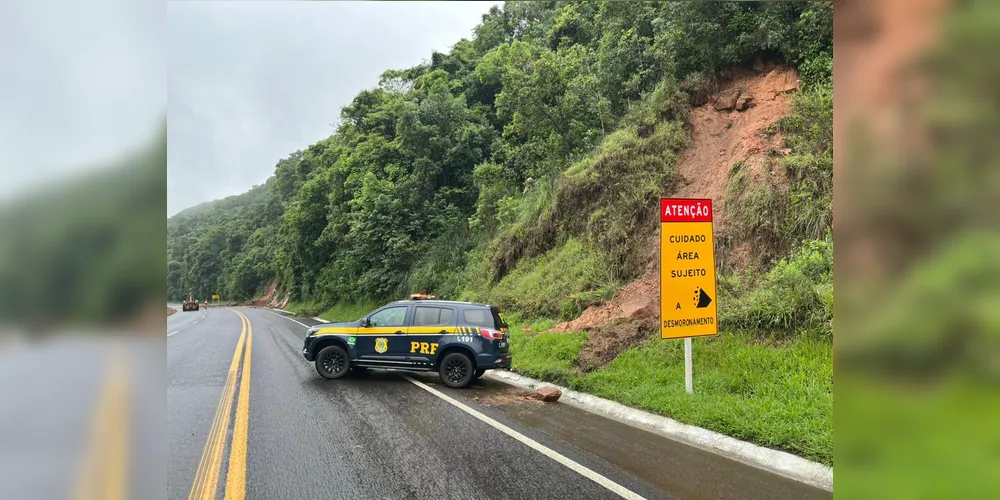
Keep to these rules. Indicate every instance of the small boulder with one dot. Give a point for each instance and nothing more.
(727, 100)
(743, 102)
(548, 394)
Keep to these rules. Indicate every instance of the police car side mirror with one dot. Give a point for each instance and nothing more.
(365, 322)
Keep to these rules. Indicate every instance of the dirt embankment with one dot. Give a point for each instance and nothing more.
(729, 128)
(269, 298)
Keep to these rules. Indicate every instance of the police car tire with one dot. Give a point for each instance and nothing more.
(326, 351)
(449, 360)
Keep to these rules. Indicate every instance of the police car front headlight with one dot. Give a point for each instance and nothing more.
(312, 331)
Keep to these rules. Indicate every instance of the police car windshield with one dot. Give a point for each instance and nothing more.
(392, 316)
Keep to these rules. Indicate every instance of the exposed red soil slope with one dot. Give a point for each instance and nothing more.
(721, 134)
(720, 138)
(270, 297)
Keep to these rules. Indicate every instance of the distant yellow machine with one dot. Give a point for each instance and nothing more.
(191, 304)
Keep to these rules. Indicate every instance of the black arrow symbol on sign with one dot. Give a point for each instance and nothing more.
(703, 299)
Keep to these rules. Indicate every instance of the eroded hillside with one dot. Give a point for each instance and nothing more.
(735, 126)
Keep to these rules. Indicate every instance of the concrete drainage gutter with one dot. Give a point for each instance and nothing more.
(778, 462)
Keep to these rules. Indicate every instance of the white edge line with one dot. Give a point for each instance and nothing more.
(535, 445)
(315, 318)
(289, 319)
(778, 462)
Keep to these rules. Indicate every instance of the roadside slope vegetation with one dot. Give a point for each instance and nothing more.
(523, 168)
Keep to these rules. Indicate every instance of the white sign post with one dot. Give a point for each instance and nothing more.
(688, 377)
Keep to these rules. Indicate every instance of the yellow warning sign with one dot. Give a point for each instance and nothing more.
(687, 269)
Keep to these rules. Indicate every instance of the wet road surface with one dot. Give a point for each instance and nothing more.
(83, 416)
(380, 435)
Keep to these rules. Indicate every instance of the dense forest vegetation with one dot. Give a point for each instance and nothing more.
(87, 248)
(523, 167)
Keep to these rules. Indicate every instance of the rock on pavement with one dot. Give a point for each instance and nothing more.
(548, 394)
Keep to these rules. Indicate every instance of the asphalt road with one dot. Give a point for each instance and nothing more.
(83, 416)
(289, 434)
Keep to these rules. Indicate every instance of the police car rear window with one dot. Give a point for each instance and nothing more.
(431, 316)
(500, 322)
(479, 317)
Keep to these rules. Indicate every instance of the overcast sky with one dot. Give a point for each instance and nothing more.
(251, 82)
(81, 84)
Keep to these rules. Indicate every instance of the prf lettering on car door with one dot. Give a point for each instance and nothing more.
(423, 348)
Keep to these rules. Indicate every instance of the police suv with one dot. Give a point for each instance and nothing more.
(459, 340)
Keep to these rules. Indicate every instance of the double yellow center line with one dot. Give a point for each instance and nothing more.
(104, 471)
(206, 482)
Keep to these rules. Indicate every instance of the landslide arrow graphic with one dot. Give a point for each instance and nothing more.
(703, 299)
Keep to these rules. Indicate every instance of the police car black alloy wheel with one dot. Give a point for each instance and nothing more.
(332, 362)
(456, 370)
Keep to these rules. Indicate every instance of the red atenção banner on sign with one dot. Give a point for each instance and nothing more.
(685, 210)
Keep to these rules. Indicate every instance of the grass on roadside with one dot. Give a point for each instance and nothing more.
(339, 312)
(775, 395)
(304, 308)
(547, 356)
(348, 312)
(954, 417)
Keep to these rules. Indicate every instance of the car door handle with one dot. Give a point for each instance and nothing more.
(443, 332)
(399, 332)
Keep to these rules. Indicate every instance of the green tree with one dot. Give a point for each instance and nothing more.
(435, 160)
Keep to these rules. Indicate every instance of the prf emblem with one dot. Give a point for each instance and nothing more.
(381, 345)
(423, 347)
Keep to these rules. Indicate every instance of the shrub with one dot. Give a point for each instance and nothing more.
(605, 199)
(795, 297)
(810, 166)
(557, 284)
(755, 212)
